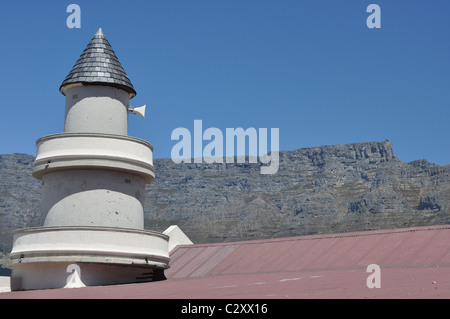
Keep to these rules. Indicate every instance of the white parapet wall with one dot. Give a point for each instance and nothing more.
(176, 237)
(5, 284)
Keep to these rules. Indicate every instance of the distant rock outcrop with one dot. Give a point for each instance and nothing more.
(325, 189)
(20, 197)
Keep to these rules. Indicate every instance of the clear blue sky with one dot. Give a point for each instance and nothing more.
(313, 69)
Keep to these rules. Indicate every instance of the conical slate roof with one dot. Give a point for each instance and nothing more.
(98, 64)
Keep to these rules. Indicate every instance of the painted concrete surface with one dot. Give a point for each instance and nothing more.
(5, 284)
(96, 109)
(41, 257)
(93, 197)
(68, 151)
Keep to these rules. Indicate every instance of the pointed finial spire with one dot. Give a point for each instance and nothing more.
(98, 65)
(100, 32)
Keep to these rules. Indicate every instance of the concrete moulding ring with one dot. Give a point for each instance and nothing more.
(94, 151)
(45, 166)
(90, 244)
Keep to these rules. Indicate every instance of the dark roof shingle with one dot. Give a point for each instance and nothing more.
(98, 64)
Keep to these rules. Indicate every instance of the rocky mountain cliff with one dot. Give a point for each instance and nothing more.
(324, 189)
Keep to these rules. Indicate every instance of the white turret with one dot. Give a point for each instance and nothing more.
(97, 91)
(94, 178)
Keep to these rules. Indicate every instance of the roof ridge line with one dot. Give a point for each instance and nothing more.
(323, 236)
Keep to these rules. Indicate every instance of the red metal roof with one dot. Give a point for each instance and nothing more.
(414, 262)
(406, 248)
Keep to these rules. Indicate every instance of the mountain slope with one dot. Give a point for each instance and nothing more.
(317, 190)
(325, 189)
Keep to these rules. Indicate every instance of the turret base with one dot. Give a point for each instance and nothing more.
(58, 257)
